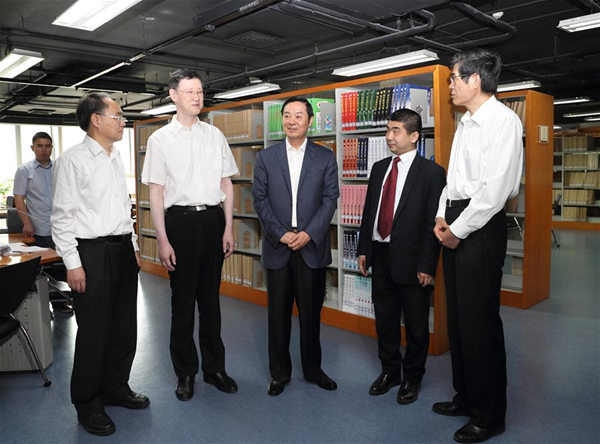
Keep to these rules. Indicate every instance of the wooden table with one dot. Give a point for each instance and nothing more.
(47, 256)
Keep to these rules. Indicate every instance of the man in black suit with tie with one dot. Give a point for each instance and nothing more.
(396, 240)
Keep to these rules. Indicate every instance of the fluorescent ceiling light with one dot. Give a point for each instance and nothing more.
(248, 91)
(557, 127)
(582, 23)
(18, 61)
(571, 100)
(411, 58)
(163, 109)
(592, 119)
(583, 114)
(112, 68)
(89, 15)
(526, 84)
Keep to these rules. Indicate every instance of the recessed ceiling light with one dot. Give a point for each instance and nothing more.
(89, 15)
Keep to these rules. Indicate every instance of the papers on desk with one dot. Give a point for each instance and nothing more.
(22, 248)
(4, 250)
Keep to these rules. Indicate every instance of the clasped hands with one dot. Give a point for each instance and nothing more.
(295, 241)
(444, 234)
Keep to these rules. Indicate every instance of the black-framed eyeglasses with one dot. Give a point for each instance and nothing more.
(453, 77)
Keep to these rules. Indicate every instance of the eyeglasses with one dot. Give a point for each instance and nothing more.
(191, 94)
(120, 119)
(453, 77)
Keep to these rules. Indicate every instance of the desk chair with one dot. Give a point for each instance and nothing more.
(555, 206)
(16, 280)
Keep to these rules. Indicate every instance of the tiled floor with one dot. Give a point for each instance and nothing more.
(553, 371)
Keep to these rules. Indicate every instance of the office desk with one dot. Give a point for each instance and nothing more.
(34, 314)
(47, 256)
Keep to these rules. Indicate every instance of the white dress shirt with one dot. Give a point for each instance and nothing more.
(486, 162)
(295, 157)
(189, 162)
(406, 161)
(90, 198)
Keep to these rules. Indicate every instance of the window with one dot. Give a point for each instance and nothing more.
(70, 136)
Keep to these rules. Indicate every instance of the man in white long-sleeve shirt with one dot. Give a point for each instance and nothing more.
(93, 232)
(484, 172)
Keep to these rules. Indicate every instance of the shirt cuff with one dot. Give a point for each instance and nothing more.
(441, 213)
(72, 261)
(460, 229)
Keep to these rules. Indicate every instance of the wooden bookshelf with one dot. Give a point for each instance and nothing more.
(535, 216)
(577, 152)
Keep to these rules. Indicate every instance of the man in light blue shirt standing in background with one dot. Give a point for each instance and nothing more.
(33, 191)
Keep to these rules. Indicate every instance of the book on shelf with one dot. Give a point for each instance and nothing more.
(350, 239)
(245, 157)
(356, 297)
(324, 116)
(359, 155)
(149, 249)
(331, 287)
(145, 221)
(240, 126)
(144, 133)
(518, 106)
(578, 197)
(353, 202)
(583, 179)
(143, 194)
(578, 143)
(243, 201)
(245, 233)
(581, 161)
(370, 108)
(275, 121)
(244, 270)
(574, 214)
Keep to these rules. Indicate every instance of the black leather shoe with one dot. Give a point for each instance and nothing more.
(409, 392)
(449, 409)
(324, 381)
(222, 381)
(131, 401)
(276, 388)
(185, 388)
(470, 433)
(384, 383)
(98, 424)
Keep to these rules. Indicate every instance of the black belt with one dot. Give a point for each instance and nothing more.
(110, 239)
(457, 203)
(192, 208)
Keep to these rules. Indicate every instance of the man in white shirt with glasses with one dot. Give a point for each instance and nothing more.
(188, 169)
(93, 232)
(484, 172)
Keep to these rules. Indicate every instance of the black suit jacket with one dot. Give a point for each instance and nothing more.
(413, 246)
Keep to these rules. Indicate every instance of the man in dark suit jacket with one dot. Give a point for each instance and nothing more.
(295, 194)
(395, 238)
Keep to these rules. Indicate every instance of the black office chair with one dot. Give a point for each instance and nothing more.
(16, 280)
(555, 206)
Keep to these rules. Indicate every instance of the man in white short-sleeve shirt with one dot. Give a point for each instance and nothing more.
(188, 168)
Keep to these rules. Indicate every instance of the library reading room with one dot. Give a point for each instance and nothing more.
(347, 221)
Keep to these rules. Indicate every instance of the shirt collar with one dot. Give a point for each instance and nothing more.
(302, 148)
(406, 158)
(486, 110)
(177, 126)
(36, 164)
(96, 148)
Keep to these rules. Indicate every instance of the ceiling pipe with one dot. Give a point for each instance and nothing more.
(352, 47)
(510, 31)
(590, 4)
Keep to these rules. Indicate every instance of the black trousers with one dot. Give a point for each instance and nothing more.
(295, 281)
(391, 300)
(106, 315)
(473, 275)
(197, 238)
